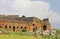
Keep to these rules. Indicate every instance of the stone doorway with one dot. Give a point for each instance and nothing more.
(24, 29)
(13, 28)
(44, 27)
(35, 28)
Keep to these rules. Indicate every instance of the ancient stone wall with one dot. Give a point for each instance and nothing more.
(18, 26)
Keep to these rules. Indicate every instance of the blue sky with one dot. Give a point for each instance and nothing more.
(55, 4)
(37, 8)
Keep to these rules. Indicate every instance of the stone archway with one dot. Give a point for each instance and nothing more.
(24, 29)
(13, 28)
(44, 27)
(35, 28)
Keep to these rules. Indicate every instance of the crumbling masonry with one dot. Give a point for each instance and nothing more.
(16, 23)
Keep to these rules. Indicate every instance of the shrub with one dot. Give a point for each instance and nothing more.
(24, 30)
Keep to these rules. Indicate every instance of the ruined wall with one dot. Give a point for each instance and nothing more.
(17, 26)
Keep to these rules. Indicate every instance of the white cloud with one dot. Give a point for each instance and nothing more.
(27, 7)
(55, 18)
(38, 9)
(20, 4)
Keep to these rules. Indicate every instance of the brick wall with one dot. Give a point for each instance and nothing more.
(17, 26)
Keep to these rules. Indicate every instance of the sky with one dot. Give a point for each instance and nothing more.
(53, 3)
(36, 8)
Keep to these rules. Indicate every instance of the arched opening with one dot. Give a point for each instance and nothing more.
(9, 26)
(44, 27)
(33, 24)
(24, 29)
(17, 27)
(21, 27)
(13, 28)
(35, 28)
(6, 26)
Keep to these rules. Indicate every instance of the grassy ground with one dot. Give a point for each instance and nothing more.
(23, 35)
(15, 37)
(29, 35)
